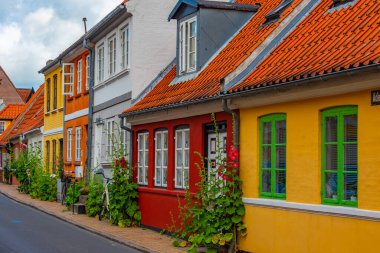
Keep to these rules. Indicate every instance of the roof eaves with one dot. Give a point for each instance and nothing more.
(228, 5)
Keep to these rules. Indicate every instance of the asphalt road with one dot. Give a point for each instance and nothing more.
(26, 230)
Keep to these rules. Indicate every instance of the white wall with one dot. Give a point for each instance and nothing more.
(153, 40)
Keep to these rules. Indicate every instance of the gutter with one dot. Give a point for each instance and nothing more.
(90, 106)
(235, 117)
(252, 91)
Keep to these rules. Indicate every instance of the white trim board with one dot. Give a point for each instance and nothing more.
(54, 131)
(76, 114)
(341, 211)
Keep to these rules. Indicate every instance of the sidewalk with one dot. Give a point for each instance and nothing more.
(142, 239)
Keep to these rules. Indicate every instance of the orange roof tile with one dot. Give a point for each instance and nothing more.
(31, 117)
(207, 83)
(11, 111)
(25, 93)
(327, 41)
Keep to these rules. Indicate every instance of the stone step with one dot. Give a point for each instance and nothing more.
(79, 208)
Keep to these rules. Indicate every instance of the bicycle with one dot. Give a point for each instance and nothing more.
(105, 204)
(65, 186)
(26, 183)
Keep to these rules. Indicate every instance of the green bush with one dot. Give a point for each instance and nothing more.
(94, 198)
(73, 193)
(124, 207)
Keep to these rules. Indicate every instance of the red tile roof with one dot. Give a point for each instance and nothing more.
(325, 42)
(11, 111)
(31, 118)
(207, 83)
(25, 93)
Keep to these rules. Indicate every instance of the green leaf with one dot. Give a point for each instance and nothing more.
(236, 219)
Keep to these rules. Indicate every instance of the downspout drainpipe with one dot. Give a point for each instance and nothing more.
(235, 116)
(130, 130)
(90, 107)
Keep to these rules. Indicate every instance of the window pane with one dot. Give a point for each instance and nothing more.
(350, 128)
(141, 142)
(146, 158)
(140, 158)
(165, 158)
(179, 139)
(193, 29)
(280, 157)
(331, 124)
(165, 140)
(186, 177)
(186, 164)
(158, 141)
(140, 174)
(265, 181)
(165, 176)
(350, 157)
(158, 159)
(146, 141)
(187, 141)
(179, 177)
(280, 181)
(331, 185)
(331, 157)
(281, 132)
(266, 159)
(350, 186)
(146, 175)
(158, 176)
(267, 133)
(192, 60)
(179, 158)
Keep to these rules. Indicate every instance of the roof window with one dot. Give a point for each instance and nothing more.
(274, 15)
(340, 2)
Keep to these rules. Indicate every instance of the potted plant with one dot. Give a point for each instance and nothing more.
(353, 197)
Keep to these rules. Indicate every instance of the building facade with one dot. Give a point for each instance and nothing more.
(53, 119)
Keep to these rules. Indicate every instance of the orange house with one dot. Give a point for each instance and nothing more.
(76, 76)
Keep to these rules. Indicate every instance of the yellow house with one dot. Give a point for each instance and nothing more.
(309, 136)
(53, 126)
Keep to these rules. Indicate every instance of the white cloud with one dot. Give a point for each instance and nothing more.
(42, 32)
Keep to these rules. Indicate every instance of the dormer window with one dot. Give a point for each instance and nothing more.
(187, 45)
(340, 2)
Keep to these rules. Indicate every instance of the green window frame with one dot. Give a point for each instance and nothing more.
(340, 156)
(272, 152)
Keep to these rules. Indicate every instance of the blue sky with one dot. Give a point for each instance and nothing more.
(34, 31)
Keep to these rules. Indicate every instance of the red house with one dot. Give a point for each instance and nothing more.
(171, 120)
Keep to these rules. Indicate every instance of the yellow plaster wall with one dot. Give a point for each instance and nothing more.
(54, 118)
(287, 231)
(51, 158)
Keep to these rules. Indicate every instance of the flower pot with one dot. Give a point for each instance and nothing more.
(335, 197)
(354, 198)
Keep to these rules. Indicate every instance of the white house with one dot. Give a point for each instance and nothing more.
(132, 45)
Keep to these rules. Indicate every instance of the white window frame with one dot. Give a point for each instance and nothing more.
(183, 168)
(124, 138)
(143, 161)
(79, 76)
(69, 144)
(124, 43)
(2, 127)
(78, 137)
(184, 45)
(110, 138)
(67, 78)
(111, 46)
(100, 62)
(160, 149)
(87, 72)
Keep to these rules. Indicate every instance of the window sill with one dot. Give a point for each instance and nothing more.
(106, 163)
(70, 98)
(86, 92)
(112, 78)
(321, 209)
(78, 95)
(162, 191)
(53, 111)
